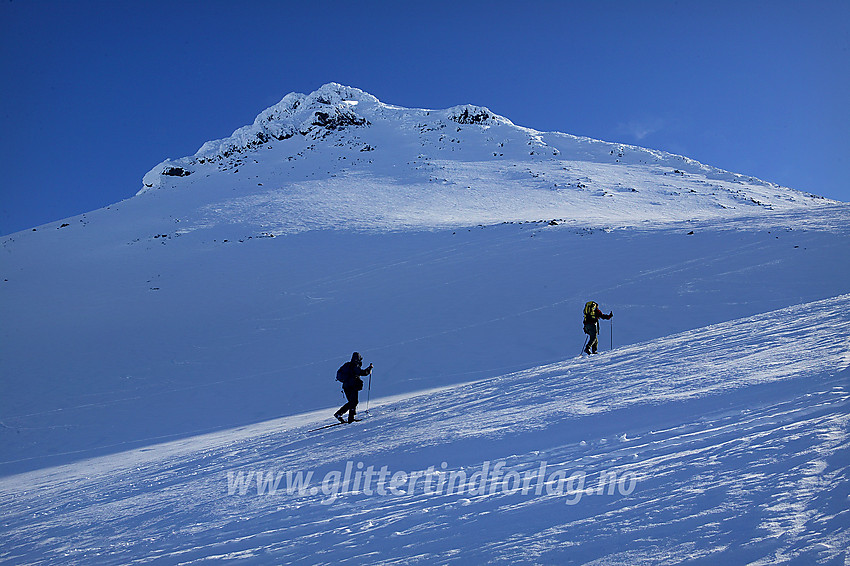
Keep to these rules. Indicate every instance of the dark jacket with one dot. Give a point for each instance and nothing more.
(592, 320)
(350, 373)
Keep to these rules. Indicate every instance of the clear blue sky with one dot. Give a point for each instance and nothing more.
(94, 94)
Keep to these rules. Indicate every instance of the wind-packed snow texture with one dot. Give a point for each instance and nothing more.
(164, 360)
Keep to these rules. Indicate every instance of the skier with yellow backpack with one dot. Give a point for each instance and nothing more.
(592, 314)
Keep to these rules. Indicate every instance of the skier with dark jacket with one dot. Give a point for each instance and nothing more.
(349, 374)
(592, 314)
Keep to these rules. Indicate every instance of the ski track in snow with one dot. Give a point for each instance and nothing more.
(737, 435)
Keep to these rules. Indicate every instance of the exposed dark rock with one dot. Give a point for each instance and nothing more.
(176, 172)
(479, 116)
(338, 120)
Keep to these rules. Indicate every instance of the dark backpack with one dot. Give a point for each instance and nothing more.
(340, 373)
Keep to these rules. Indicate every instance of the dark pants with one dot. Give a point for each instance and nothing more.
(593, 342)
(351, 395)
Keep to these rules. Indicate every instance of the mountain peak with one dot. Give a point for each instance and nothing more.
(340, 157)
(332, 107)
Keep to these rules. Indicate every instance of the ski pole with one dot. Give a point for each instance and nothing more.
(612, 333)
(369, 393)
(586, 341)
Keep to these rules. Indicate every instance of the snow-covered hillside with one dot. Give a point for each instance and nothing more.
(338, 157)
(158, 354)
(719, 445)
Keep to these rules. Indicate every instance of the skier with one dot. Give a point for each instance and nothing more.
(592, 314)
(349, 374)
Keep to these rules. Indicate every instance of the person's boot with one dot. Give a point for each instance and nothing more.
(350, 417)
(338, 417)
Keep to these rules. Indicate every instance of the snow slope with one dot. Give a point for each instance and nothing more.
(718, 445)
(154, 350)
(339, 157)
(114, 344)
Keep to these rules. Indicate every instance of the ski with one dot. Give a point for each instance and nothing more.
(333, 425)
(326, 426)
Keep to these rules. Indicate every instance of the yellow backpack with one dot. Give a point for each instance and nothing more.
(590, 311)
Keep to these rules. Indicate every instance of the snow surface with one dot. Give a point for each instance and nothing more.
(161, 354)
(314, 161)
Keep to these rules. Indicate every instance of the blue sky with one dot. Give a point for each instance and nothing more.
(96, 93)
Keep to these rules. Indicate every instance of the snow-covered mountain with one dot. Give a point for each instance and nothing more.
(165, 360)
(339, 157)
